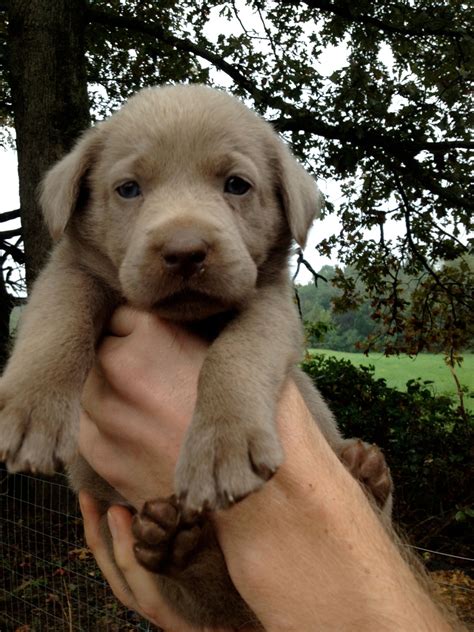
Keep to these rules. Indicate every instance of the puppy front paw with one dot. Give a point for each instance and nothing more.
(37, 430)
(221, 463)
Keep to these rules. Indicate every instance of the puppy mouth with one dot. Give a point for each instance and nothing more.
(183, 302)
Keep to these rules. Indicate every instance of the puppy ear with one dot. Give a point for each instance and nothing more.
(302, 200)
(60, 189)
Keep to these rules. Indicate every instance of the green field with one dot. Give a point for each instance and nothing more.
(427, 366)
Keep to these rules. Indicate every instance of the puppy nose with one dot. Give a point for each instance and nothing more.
(184, 253)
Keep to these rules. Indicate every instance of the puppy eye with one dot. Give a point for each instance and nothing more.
(129, 190)
(236, 186)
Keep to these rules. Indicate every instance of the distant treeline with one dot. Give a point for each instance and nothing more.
(330, 324)
(326, 327)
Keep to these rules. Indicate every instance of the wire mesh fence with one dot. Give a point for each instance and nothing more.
(49, 581)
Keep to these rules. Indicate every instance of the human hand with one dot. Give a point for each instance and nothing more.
(137, 425)
(139, 400)
(306, 552)
(131, 429)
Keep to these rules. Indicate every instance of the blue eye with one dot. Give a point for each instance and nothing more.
(129, 190)
(236, 186)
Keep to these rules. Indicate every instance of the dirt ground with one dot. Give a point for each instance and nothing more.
(456, 589)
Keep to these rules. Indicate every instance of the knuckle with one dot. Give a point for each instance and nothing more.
(92, 540)
(125, 598)
(149, 610)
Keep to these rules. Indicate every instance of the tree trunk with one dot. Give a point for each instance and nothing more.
(6, 306)
(48, 80)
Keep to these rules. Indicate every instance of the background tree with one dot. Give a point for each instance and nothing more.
(389, 125)
(48, 81)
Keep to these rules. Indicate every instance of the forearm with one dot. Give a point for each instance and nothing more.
(322, 557)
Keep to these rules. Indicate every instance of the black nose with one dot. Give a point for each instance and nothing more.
(184, 253)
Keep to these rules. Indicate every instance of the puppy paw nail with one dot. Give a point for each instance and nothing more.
(265, 472)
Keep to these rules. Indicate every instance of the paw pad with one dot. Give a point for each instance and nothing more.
(165, 540)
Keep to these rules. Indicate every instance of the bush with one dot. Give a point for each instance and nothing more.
(427, 442)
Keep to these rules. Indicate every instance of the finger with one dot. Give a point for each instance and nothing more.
(99, 397)
(94, 387)
(142, 583)
(101, 408)
(100, 551)
(89, 436)
(123, 321)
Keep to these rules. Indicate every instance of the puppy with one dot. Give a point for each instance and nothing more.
(186, 203)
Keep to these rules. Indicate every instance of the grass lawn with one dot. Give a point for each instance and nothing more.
(427, 366)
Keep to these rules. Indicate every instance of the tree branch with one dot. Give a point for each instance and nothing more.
(292, 119)
(349, 11)
(404, 151)
(301, 260)
(8, 234)
(298, 303)
(414, 169)
(15, 253)
(6, 216)
(363, 137)
(155, 30)
(413, 247)
(450, 236)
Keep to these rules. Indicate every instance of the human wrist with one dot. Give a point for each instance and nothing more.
(274, 534)
(308, 552)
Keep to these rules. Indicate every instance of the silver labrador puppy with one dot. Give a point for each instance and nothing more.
(183, 202)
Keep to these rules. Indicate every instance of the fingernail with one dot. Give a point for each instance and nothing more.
(112, 523)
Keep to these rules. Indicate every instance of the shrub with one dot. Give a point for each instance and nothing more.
(427, 442)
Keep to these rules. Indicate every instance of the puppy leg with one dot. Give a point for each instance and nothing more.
(232, 446)
(41, 385)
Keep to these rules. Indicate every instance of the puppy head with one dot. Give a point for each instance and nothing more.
(189, 191)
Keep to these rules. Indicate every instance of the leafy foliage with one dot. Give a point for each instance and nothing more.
(439, 320)
(427, 442)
